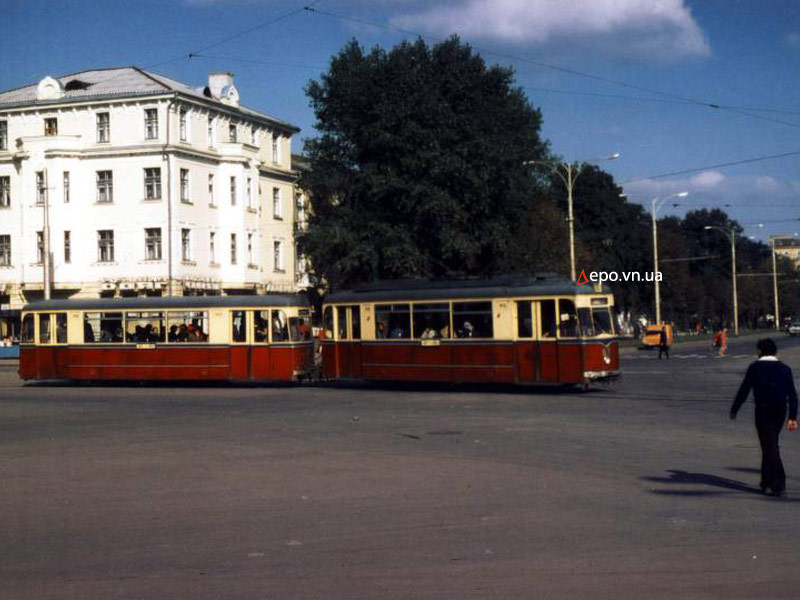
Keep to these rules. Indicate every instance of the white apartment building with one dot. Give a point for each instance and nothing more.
(139, 184)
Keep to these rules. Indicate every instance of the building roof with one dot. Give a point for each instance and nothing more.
(120, 82)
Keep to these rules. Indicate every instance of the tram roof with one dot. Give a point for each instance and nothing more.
(170, 302)
(501, 287)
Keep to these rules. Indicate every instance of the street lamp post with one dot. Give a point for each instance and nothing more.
(655, 204)
(569, 176)
(731, 235)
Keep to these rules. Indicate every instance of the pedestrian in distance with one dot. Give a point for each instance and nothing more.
(663, 343)
(773, 390)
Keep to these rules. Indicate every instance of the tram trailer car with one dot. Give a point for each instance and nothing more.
(538, 330)
(213, 338)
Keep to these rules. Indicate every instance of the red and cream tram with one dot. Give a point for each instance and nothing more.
(536, 330)
(232, 338)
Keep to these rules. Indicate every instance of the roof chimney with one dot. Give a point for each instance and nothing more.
(220, 85)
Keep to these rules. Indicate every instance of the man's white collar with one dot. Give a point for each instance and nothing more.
(768, 358)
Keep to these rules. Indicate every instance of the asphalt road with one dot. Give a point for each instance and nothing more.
(644, 489)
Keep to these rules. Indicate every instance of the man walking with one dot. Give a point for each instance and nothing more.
(663, 343)
(773, 388)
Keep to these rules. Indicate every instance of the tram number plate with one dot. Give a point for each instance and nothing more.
(429, 342)
(145, 346)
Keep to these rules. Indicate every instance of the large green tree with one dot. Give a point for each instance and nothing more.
(420, 166)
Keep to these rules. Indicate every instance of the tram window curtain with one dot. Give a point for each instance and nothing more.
(261, 326)
(567, 319)
(280, 326)
(393, 321)
(238, 326)
(432, 321)
(473, 319)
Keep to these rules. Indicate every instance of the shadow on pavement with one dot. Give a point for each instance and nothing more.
(720, 485)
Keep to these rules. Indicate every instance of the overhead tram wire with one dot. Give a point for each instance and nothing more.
(567, 70)
(715, 166)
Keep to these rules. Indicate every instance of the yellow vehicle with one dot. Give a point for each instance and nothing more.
(652, 336)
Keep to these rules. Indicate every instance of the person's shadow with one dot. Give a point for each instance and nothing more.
(720, 486)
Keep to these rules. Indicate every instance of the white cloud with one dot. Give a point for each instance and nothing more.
(707, 179)
(656, 29)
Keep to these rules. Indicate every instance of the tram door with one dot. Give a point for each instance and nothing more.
(348, 341)
(548, 346)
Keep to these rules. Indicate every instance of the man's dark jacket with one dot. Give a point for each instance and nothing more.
(772, 384)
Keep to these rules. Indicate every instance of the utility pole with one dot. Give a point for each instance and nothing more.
(46, 238)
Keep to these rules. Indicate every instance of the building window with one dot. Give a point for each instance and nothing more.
(39, 247)
(211, 189)
(233, 191)
(5, 250)
(105, 245)
(105, 186)
(152, 183)
(5, 191)
(212, 246)
(277, 205)
(152, 243)
(233, 249)
(184, 185)
(103, 128)
(3, 135)
(66, 187)
(41, 187)
(251, 256)
(277, 255)
(300, 207)
(210, 131)
(51, 126)
(186, 244)
(182, 121)
(276, 149)
(67, 247)
(249, 192)
(254, 136)
(232, 132)
(151, 124)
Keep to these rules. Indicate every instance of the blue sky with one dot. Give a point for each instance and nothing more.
(628, 76)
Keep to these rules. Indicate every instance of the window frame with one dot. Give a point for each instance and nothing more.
(105, 245)
(103, 127)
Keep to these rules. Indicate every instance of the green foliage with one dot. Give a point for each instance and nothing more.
(419, 167)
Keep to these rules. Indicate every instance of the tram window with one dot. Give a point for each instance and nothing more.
(567, 319)
(355, 321)
(601, 318)
(431, 321)
(392, 321)
(548, 318)
(280, 326)
(239, 326)
(299, 327)
(524, 319)
(327, 323)
(585, 321)
(261, 326)
(27, 330)
(472, 319)
(61, 328)
(144, 327)
(341, 317)
(44, 328)
(104, 328)
(188, 327)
